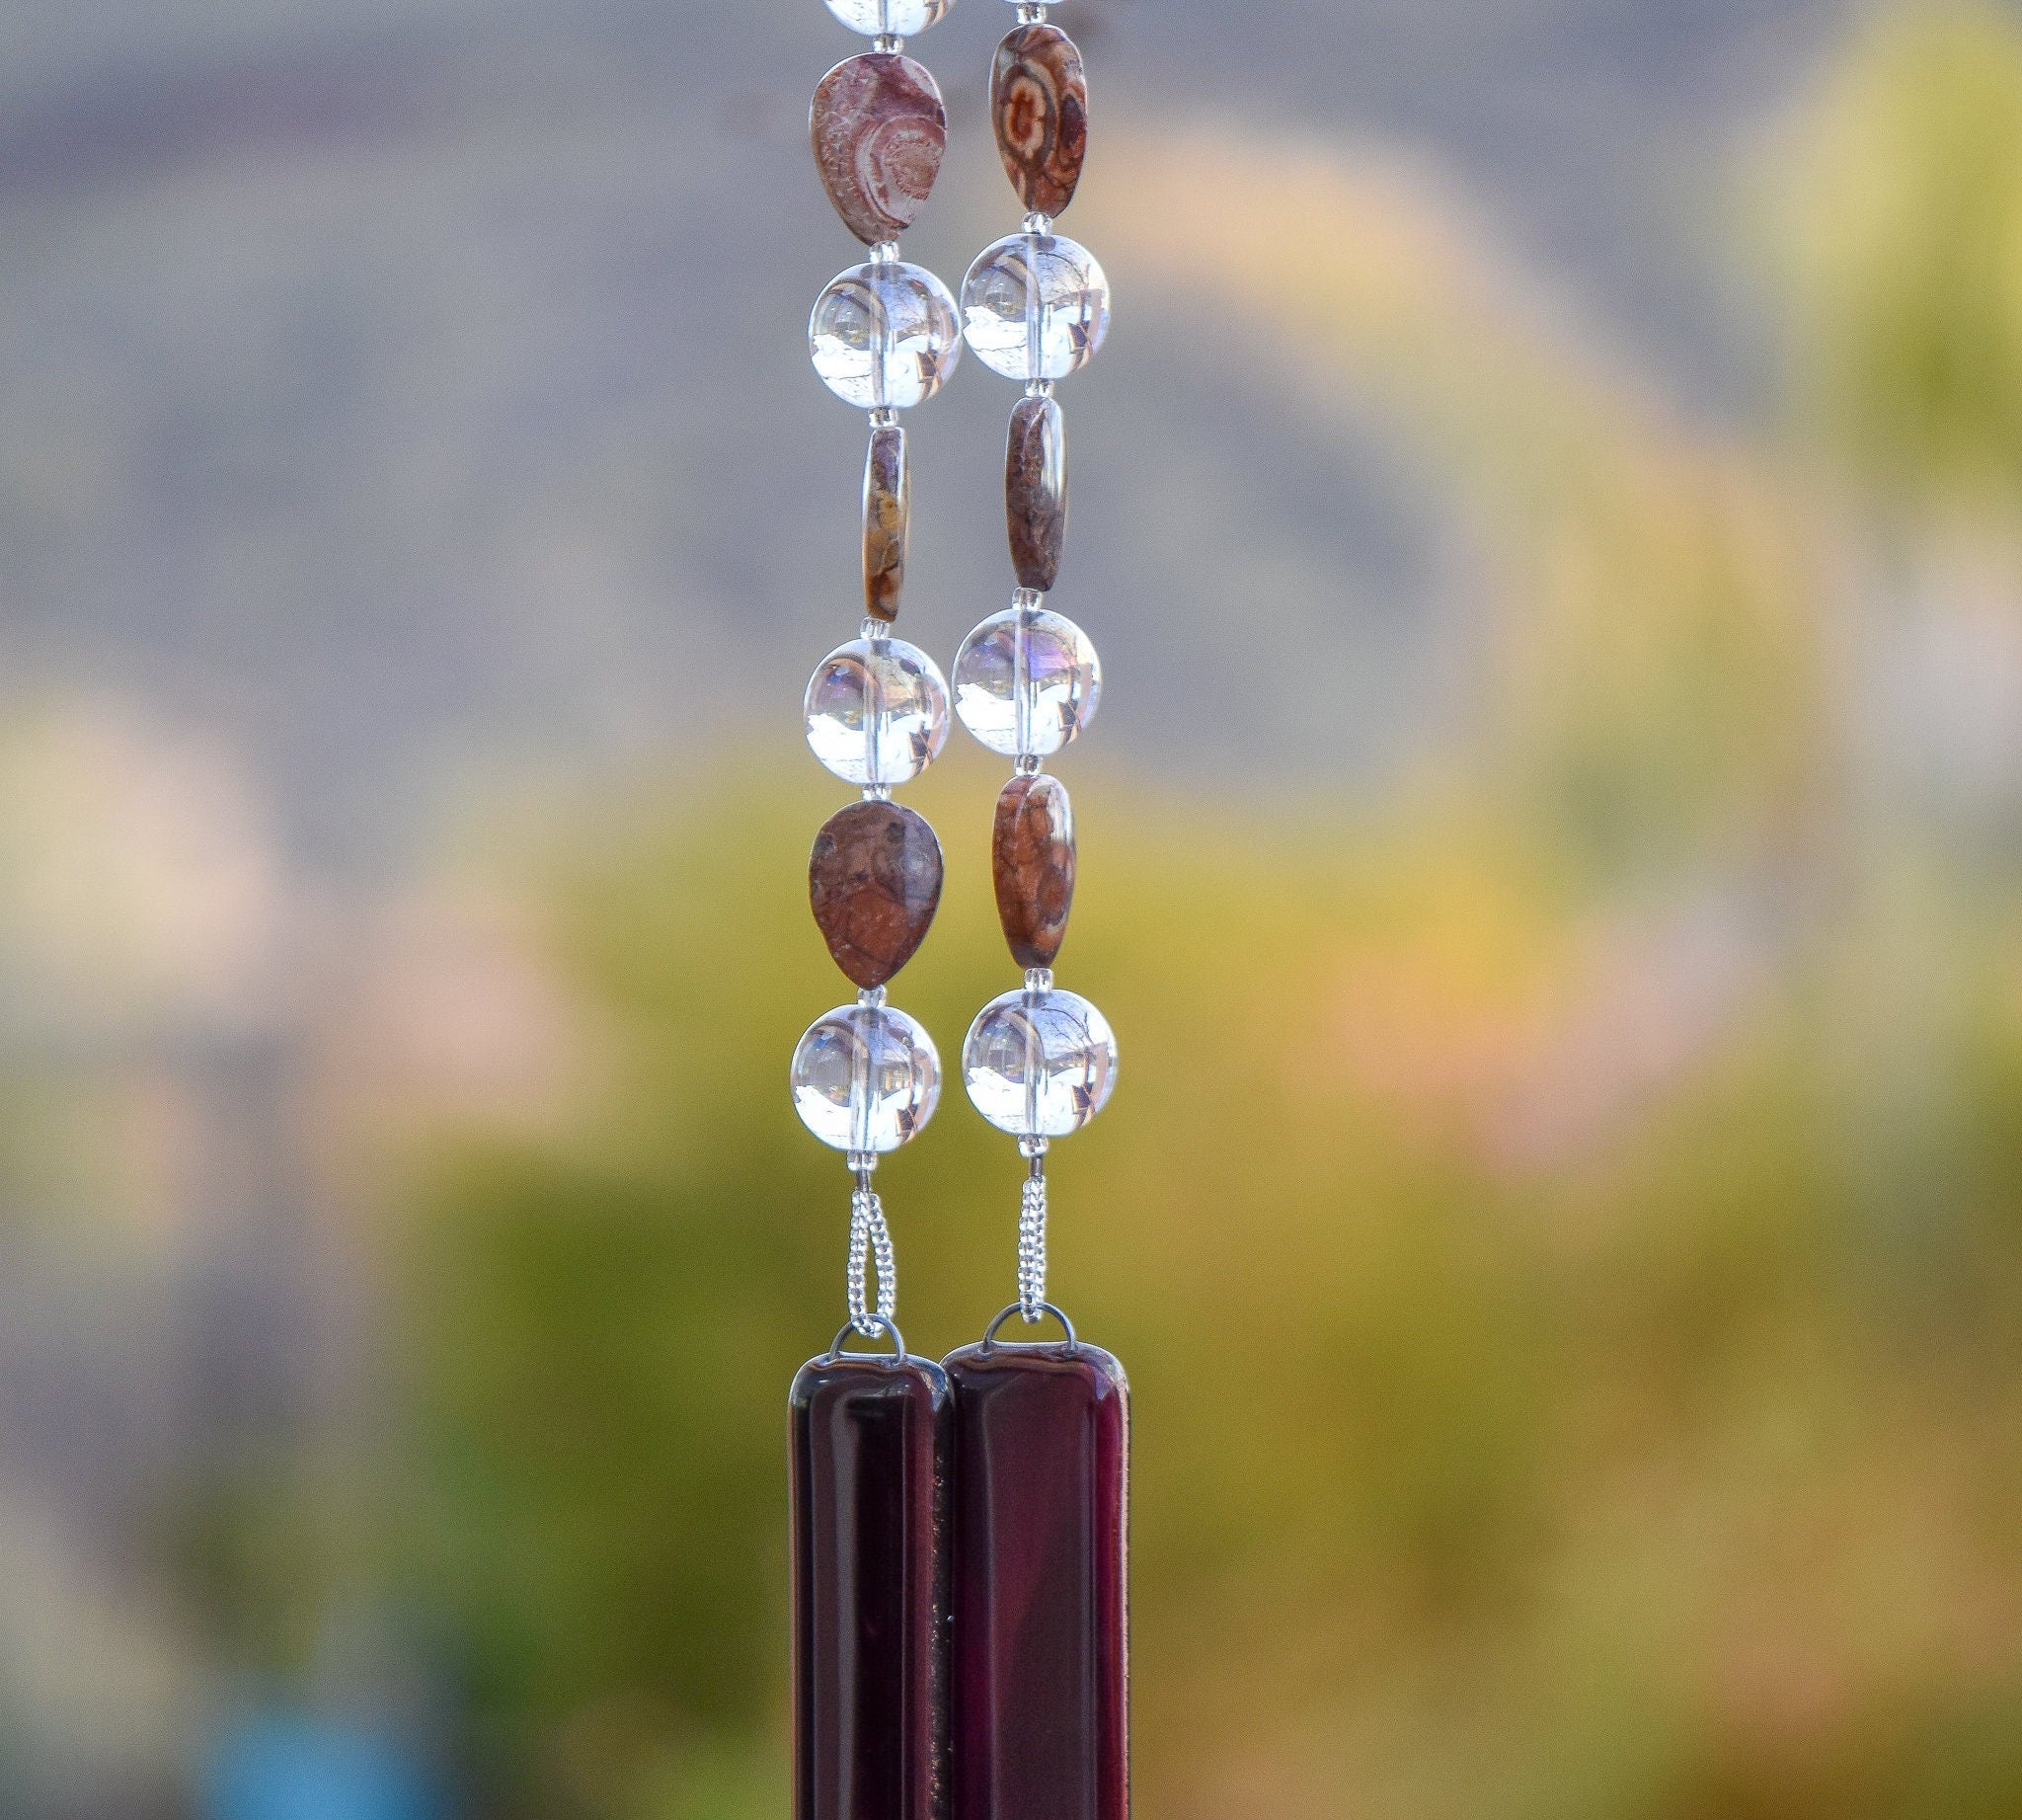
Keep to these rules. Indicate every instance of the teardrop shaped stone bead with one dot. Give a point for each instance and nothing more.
(1039, 105)
(1032, 859)
(887, 516)
(874, 879)
(879, 129)
(1036, 491)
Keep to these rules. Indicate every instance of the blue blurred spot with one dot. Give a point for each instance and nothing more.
(280, 1766)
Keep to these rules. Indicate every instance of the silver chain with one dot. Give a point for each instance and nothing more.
(869, 1243)
(1031, 1243)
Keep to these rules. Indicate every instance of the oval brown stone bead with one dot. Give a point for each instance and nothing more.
(1039, 105)
(888, 520)
(874, 879)
(1032, 859)
(1036, 491)
(879, 131)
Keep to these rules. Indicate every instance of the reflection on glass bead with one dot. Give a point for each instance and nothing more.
(1027, 682)
(866, 1079)
(876, 711)
(1034, 306)
(1040, 1064)
(889, 18)
(883, 336)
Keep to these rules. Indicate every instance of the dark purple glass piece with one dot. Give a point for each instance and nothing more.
(870, 1446)
(1041, 1671)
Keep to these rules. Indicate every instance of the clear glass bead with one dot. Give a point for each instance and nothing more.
(1034, 306)
(876, 711)
(1040, 1064)
(883, 336)
(889, 18)
(1027, 682)
(866, 1079)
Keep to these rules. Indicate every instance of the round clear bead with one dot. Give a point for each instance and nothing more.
(883, 336)
(889, 18)
(1034, 306)
(866, 1079)
(877, 712)
(1027, 682)
(1040, 1064)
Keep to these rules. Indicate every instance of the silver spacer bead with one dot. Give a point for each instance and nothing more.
(1028, 765)
(884, 418)
(1038, 981)
(862, 1162)
(1028, 600)
(1033, 1149)
(1039, 388)
(891, 42)
(885, 253)
(1038, 223)
(872, 997)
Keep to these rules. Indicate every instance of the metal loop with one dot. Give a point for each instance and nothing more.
(877, 1324)
(1045, 1308)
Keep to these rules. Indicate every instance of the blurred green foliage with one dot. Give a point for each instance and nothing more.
(1897, 211)
(1563, 1221)
(1677, 1476)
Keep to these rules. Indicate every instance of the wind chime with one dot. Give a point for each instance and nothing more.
(959, 1529)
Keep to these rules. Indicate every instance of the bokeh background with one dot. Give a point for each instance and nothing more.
(1551, 510)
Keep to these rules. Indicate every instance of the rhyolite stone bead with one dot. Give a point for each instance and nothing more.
(887, 515)
(1032, 859)
(1036, 491)
(874, 879)
(1039, 105)
(879, 131)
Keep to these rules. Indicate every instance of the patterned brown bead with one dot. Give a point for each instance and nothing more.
(1036, 491)
(874, 879)
(888, 520)
(1032, 859)
(879, 131)
(1039, 105)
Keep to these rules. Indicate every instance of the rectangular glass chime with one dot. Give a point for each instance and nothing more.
(1039, 1676)
(961, 1613)
(871, 1444)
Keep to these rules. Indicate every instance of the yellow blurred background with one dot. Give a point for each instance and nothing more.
(1552, 514)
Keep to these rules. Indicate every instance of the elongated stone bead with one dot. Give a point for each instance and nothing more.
(1032, 861)
(1040, 1609)
(1039, 105)
(869, 1450)
(879, 131)
(888, 520)
(1036, 491)
(874, 881)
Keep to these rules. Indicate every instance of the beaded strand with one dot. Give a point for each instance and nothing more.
(1039, 1062)
(883, 337)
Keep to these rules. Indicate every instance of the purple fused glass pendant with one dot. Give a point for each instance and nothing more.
(871, 1442)
(1040, 1672)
